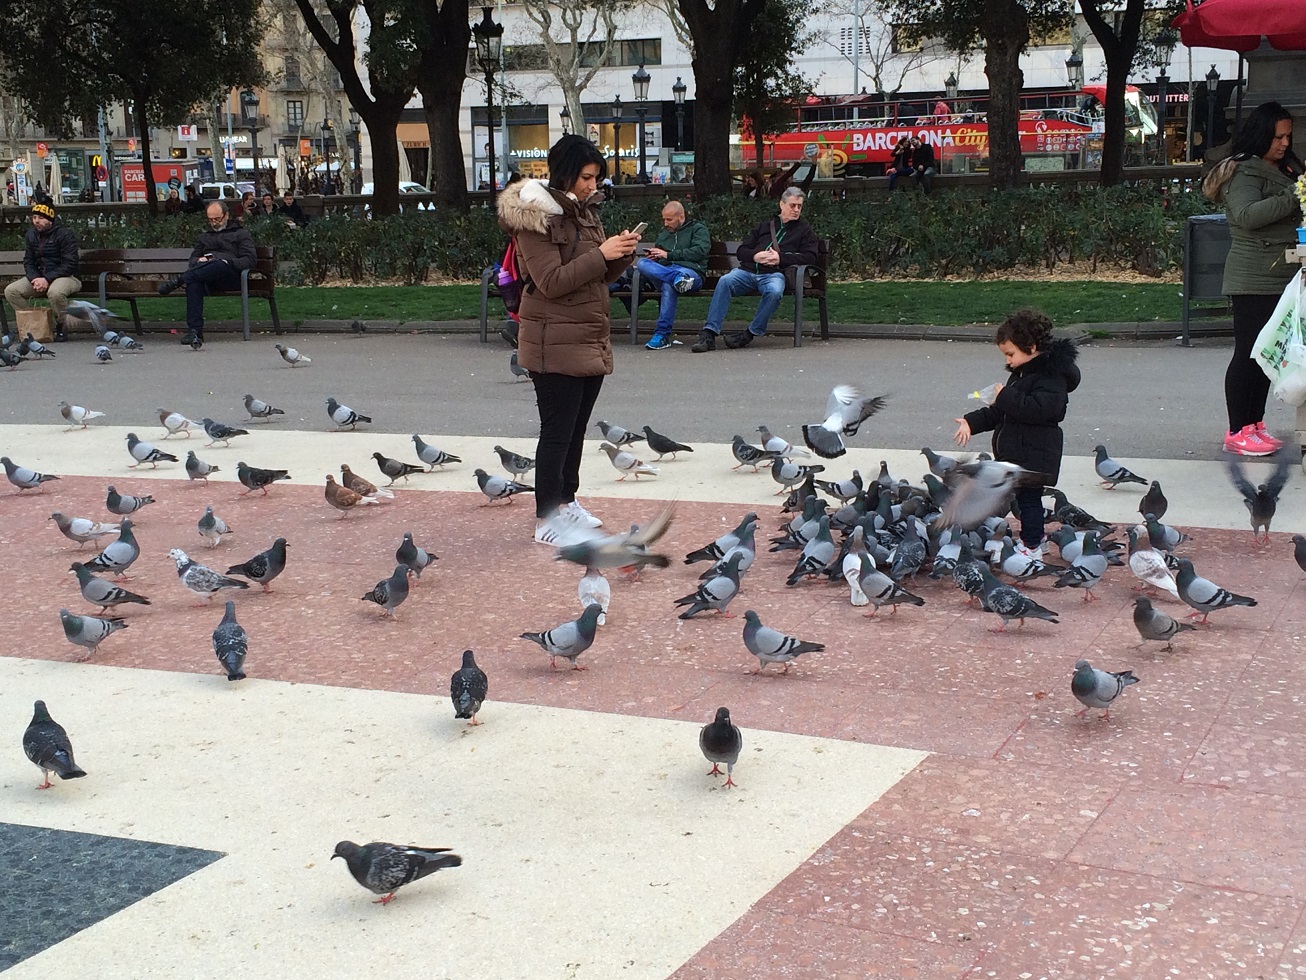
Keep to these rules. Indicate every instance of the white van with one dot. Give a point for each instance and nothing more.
(219, 190)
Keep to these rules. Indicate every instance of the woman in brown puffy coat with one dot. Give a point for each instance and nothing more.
(564, 339)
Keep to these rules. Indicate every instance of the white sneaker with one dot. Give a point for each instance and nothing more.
(683, 284)
(1036, 554)
(549, 532)
(578, 513)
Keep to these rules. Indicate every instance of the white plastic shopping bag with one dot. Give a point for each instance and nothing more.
(1280, 347)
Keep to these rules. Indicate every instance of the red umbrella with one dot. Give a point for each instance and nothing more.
(1241, 25)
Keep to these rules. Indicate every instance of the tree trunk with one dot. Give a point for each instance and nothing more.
(1005, 26)
(1118, 50)
(382, 122)
(441, 72)
(759, 149)
(143, 127)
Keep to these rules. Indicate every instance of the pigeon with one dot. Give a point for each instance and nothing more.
(940, 466)
(82, 529)
(1299, 551)
(1095, 688)
(358, 327)
(1205, 596)
(518, 372)
(749, 455)
(982, 489)
(103, 354)
(389, 593)
(770, 646)
(343, 499)
(1163, 537)
(124, 504)
(1261, 500)
(627, 463)
(909, 555)
(200, 579)
(816, 554)
(664, 445)
(100, 593)
(1112, 473)
(292, 357)
(221, 432)
(1149, 567)
(143, 452)
(253, 478)
(720, 741)
(881, 590)
(22, 477)
(47, 746)
(343, 415)
(1072, 516)
(89, 631)
(96, 316)
(120, 555)
(1009, 603)
(781, 447)
(626, 550)
(616, 435)
(717, 549)
(845, 411)
(1021, 565)
(497, 488)
(715, 593)
(569, 640)
(265, 566)
(258, 409)
(231, 644)
(384, 868)
(35, 347)
(789, 474)
(845, 490)
(1154, 502)
(968, 574)
(11, 360)
(361, 485)
(414, 557)
(594, 587)
(175, 422)
(1086, 570)
(468, 689)
(850, 566)
(431, 456)
(395, 468)
(212, 527)
(1152, 624)
(128, 343)
(77, 416)
(197, 469)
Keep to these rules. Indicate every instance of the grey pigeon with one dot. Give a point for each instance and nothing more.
(715, 593)
(211, 527)
(910, 553)
(1152, 624)
(230, 644)
(982, 489)
(431, 456)
(48, 747)
(100, 593)
(468, 689)
(816, 554)
(717, 549)
(34, 347)
(770, 646)
(1086, 570)
(881, 590)
(144, 452)
(626, 550)
(845, 490)
(1074, 516)
(789, 474)
(1095, 688)
(221, 432)
(259, 409)
(97, 316)
(389, 593)
(395, 468)
(664, 445)
(781, 447)
(265, 566)
(1205, 596)
(197, 469)
(82, 529)
(845, 410)
(89, 631)
(627, 463)
(1154, 501)
(1009, 603)
(103, 354)
(750, 455)
(746, 549)
(1299, 551)
(569, 640)
(200, 579)
(77, 415)
(414, 557)
(940, 466)
(11, 360)
(292, 357)
(343, 415)
(120, 555)
(1021, 566)
(616, 435)
(253, 478)
(518, 372)
(497, 488)
(1112, 473)
(124, 504)
(720, 741)
(384, 868)
(22, 477)
(1163, 537)
(514, 463)
(1261, 500)
(128, 343)
(175, 422)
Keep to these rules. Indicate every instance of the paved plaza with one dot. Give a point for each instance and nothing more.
(919, 800)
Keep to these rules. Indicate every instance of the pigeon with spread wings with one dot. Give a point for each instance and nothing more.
(845, 411)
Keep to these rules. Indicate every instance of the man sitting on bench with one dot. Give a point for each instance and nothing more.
(676, 262)
(219, 257)
(50, 261)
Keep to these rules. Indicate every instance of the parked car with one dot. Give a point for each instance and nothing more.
(405, 187)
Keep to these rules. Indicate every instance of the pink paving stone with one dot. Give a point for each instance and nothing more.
(1255, 760)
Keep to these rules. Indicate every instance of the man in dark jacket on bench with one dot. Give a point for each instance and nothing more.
(219, 257)
(50, 261)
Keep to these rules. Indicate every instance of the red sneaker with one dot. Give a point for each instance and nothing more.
(1245, 442)
(1263, 434)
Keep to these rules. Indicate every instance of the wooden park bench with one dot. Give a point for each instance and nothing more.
(11, 268)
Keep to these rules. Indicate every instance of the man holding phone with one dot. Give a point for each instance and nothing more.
(676, 261)
(764, 255)
(216, 262)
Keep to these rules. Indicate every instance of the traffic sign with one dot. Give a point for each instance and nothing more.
(101, 173)
(174, 183)
(42, 149)
(18, 167)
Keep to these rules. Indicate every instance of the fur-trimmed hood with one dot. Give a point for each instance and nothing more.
(528, 205)
(1059, 358)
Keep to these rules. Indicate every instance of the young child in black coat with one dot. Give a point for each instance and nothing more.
(1027, 411)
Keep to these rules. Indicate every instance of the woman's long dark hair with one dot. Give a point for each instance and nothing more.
(568, 157)
(1256, 134)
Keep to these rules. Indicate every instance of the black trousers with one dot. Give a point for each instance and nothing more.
(565, 404)
(200, 278)
(1245, 385)
(1029, 505)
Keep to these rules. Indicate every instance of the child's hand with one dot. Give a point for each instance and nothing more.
(963, 432)
(997, 389)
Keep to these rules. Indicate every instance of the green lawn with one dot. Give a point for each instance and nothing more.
(936, 303)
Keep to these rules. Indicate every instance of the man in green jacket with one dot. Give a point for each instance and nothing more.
(677, 260)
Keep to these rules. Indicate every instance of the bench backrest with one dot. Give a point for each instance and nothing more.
(723, 257)
(157, 261)
(11, 265)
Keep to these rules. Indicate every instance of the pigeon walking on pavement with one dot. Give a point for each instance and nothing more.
(720, 741)
(395, 468)
(1086, 570)
(144, 452)
(100, 593)
(781, 447)
(197, 469)
(714, 593)
(22, 477)
(385, 868)
(664, 445)
(253, 478)
(1152, 624)
(1008, 602)
(11, 360)
(497, 488)
(200, 579)
(468, 689)
(221, 432)
(103, 354)
(845, 410)
(34, 347)
(82, 529)
(718, 548)
(77, 416)
(362, 485)
(616, 435)
(211, 527)
(292, 357)
(432, 456)
(118, 556)
(123, 504)
(343, 415)
(789, 474)
(89, 631)
(1205, 596)
(390, 593)
(175, 422)
(411, 555)
(1154, 501)
(259, 409)
(343, 499)
(1111, 473)
(1149, 567)
(265, 566)
(627, 463)
(1095, 688)
(48, 747)
(1299, 551)
(770, 646)
(231, 644)
(518, 372)
(748, 455)
(570, 639)
(1262, 500)
(881, 590)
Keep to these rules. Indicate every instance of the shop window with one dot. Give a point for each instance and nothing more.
(294, 114)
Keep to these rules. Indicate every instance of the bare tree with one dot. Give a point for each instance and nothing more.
(299, 65)
(577, 38)
(886, 68)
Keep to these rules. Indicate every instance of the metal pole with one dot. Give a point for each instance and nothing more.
(616, 138)
(1163, 157)
(106, 158)
(489, 118)
(680, 126)
(643, 171)
(253, 143)
(1209, 143)
(857, 45)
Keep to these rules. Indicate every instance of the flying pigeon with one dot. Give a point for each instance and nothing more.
(1095, 688)
(253, 478)
(623, 550)
(569, 640)
(770, 646)
(212, 527)
(663, 445)
(940, 466)
(627, 463)
(120, 555)
(143, 452)
(231, 644)
(385, 868)
(124, 504)
(720, 741)
(497, 488)
(845, 411)
(292, 357)
(343, 499)
(1154, 502)
(259, 409)
(715, 593)
(221, 432)
(1152, 624)
(616, 435)
(343, 415)
(414, 557)
(395, 468)
(1261, 500)
(100, 593)
(175, 422)
(103, 354)
(200, 579)
(781, 447)
(594, 587)
(89, 631)
(265, 566)
(197, 469)
(47, 746)
(22, 477)
(749, 455)
(468, 689)
(96, 316)
(389, 593)
(981, 489)
(431, 456)
(77, 416)
(1112, 473)
(81, 529)
(1205, 596)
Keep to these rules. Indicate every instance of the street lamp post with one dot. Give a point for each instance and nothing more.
(1075, 70)
(1164, 51)
(489, 46)
(327, 130)
(641, 79)
(249, 113)
(564, 116)
(355, 130)
(616, 137)
(950, 87)
(678, 91)
(1212, 87)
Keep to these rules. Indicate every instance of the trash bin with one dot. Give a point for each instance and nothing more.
(1206, 246)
